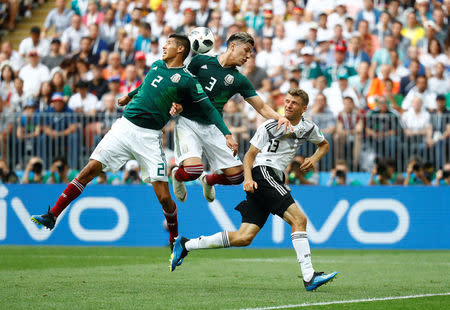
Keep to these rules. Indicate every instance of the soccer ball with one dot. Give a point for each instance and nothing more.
(202, 40)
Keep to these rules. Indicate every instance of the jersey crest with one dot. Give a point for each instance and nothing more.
(175, 78)
(229, 79)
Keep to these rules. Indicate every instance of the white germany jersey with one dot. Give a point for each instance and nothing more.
(279, 148)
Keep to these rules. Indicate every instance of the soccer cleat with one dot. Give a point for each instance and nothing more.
(179, 188)
(319, 279)
(208, 191)
(171, 251)
(47, 219)
(178, 253)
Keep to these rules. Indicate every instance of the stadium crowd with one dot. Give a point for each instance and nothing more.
(377, 74)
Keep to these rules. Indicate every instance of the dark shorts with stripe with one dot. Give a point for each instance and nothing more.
(271, 196)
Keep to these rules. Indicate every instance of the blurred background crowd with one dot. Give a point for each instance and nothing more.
(377, 74)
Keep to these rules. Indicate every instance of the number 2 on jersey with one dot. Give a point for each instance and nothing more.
(157, 80)
(273, 146)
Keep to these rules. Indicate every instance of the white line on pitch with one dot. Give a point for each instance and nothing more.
(348, 301)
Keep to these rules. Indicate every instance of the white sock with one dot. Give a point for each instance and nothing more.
(301, 246)
(219, 240)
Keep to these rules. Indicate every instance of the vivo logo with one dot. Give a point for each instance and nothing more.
(322, 234)
(41, 234)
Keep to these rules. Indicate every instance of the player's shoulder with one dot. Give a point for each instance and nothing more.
(200, 59)
(158, 63)
(270, 126)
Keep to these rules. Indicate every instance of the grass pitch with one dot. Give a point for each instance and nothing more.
(139, 278)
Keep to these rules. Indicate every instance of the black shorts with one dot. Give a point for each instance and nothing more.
(271, 196)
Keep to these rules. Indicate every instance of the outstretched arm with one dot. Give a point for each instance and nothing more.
(269, 113)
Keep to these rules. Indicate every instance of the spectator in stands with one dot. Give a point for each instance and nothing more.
(92, 16)
(34, 171)
(430, 33)
(338, 175)
(43, 98)
(271, 61)
(434, 56)
(98, 44)
(382, 28)
(423, 14)
(7, 176)
(14, 58)
(401, 41)
(369, 42)
(59, 17)
(7, 88)
(18, 97)
(71, 37)
(256, 75)
(382, 56)
(108, 116)
(85, 53)
(108, 30)
(420, 91)
(59, 84)
(127, 52)
(28, 130)
(355, 56)
(309, 67)
(34, 43)
(114, 67)
(141, 67)
(121, 18)
(338, 92)
(348, 28)
(361, 83)
(338, 67)
(324, 118)
(114, 88)
(295, 28)
(443, 175)
(203, 13)
(83, 101)
(54, 57)
(281, 43)
(338, 16)
(268, 29)
(370, 14)
(398, 69)
(394, 99)
(416, 122)
(131, 81)
(33, 74)
(83, 72)
(60, 132)
(144, 38)
(439, 83)
(415, 174)
(409, 81)
(187, 23)
(441, 21)
(157, 23)
(349, 130)
(131, 173)
(378, 85)
(98, 86)
(382, 129)
(59, 172)
(438, 134)
(132, 28)
(296, 176)
(413, 30)
(380, 174)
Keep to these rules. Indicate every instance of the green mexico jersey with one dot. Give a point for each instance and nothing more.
(219, 83)
(152, 100)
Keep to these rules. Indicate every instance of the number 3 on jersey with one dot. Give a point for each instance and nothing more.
(157, 80)
(212, 82)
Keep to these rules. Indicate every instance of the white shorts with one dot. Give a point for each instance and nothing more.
(192, 138)
(126, 141)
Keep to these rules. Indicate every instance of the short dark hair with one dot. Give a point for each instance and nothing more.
(348, 98)
(241, 37)
(146, 26)
(35, 29)
(297, 92)
(182, 40)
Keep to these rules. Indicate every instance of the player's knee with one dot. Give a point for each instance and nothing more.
(245, 239)
(300, 221)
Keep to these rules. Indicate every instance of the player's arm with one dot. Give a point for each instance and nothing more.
(123, 101)
(267, 112)
(249, 159)
(310, 162)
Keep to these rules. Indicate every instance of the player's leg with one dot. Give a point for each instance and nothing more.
(230, 176)
(297, 219)
(188, 155)
(169, 207)
(72, 191)
(110, 154)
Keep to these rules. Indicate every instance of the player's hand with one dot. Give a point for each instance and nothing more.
(287, 124)
(123, 101)
(175, 109)
(250, 186)
(232, 144)
(307, 165)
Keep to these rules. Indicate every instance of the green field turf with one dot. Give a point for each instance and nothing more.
(139, 278)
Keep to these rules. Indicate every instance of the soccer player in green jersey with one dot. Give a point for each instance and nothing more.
(137, 135)
(195, 134)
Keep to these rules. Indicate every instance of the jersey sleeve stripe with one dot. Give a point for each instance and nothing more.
(200, 99)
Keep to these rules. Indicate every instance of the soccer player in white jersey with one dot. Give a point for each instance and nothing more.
(270, 153)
